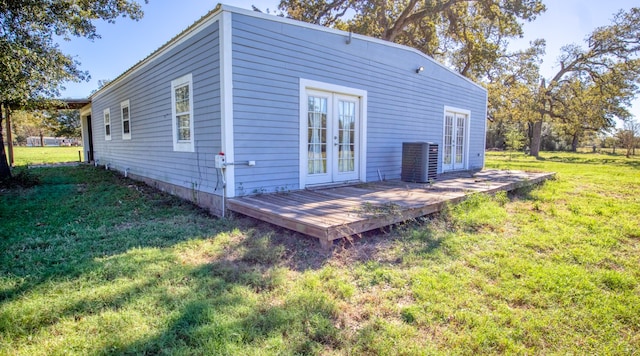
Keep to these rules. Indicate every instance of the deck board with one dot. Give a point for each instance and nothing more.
(338, 212)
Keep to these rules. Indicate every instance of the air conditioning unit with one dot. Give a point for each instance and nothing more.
(419, 162)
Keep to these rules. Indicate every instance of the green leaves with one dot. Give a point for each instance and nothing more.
(64, 123)
(592, 86)
(32, 67)
(467, 35)
(31, 63)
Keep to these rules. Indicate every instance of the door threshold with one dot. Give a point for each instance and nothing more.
(466, 173)
(332, 185)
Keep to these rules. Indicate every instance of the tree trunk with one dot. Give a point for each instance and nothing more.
(9, 137)
(5, 170)
(574, 142)
(536, 138)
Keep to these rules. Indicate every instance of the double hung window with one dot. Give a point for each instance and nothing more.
(107, 124)
(182, 111)
(126, 120)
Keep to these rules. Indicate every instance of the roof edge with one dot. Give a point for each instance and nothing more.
(173, 41)
(293, 22)
(211, 15)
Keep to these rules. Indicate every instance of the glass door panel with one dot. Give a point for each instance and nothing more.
(460, 137)
(454, 141)
(317, 135)
(448, 140)
(332, 125)
(346, 136)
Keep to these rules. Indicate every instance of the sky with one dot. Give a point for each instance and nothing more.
(126, 42)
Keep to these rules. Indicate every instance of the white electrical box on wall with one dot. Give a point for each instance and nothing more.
(220, 161)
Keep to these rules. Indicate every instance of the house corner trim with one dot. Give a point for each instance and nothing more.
(226, 101)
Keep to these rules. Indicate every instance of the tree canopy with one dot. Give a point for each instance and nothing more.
(32, 66)
(64, 123)
(467, 35)
(31, 63)
(594, 84)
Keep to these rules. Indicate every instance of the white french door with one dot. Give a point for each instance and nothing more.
(332, 137)
(454, 148)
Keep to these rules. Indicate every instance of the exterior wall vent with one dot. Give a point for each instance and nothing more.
(419, 162)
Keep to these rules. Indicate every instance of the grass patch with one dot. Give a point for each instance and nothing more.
(93, 263)
(45, 155)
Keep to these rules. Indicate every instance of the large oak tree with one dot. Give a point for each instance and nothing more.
(468, 35)
(513, 84)
(592, 86)
(32, 66)
(609, 65)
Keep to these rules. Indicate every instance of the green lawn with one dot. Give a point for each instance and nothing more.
(36, 155)
(92, 263)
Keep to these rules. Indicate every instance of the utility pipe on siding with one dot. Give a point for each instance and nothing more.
(224, 189)
(224, 180)
(242, 163)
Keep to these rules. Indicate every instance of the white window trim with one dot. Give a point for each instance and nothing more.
(182, 146)
(125, 104)
(105, 113)
(467, 134)
(306, 84)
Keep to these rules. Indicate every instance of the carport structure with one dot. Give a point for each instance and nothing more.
(57, 104)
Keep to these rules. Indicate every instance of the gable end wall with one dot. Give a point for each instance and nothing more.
(270, 57)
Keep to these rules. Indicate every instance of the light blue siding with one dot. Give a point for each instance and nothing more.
(270, 57)
(150, 153)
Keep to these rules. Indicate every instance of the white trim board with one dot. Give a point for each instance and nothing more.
(226, 103)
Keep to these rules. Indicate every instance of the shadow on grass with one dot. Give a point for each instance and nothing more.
(229, 308)
(79, 214)
(246, 301)
(106, 244)
(226, 321)
(524, 192)
(90, 249)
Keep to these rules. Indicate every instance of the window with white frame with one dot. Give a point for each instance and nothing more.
(182, 110)
(125, 112)
(107, 124)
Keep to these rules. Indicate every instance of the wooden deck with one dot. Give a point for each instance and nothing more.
(333, 213)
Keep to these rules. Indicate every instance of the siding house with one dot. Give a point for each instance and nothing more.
(290, 105)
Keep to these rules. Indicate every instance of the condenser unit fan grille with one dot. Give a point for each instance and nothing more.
(419, 162)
